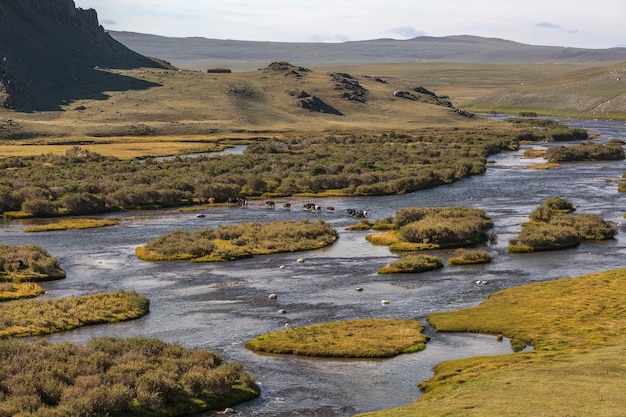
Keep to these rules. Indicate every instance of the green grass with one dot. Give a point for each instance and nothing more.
(365, 338)
(72, 224)
(577, 327)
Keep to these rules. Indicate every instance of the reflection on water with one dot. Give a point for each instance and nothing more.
(221, 306)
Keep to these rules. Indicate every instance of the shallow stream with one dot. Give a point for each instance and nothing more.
(221, 306)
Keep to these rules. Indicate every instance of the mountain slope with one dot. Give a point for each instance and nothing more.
(49, 51)
(203, 53)
(592, 92)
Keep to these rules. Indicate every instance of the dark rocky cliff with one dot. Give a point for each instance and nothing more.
(49, 51)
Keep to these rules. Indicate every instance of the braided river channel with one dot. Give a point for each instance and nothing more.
(220, 306)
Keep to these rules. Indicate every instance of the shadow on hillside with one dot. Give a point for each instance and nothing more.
(90, 84)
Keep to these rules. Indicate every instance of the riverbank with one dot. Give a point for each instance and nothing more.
(577, 328)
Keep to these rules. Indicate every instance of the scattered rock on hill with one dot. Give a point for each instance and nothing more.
(314, 103)
(348, 87)
(286, 69)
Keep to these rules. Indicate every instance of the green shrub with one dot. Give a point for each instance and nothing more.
(139, 376)
(469, 257)
(412, 263)
(559, 204)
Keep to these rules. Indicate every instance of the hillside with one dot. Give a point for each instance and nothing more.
(590, 92)
(202, 53)
(49, 54)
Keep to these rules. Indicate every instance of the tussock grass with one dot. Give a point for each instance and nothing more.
(412, 264)
(551, 227)
(469, 257)
(577, 327)
(423, 228)
(71, 224)
(39, 317)
(231, 242)
(28, 262)
(365, 338)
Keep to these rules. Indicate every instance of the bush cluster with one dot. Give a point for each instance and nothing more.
(469, 257)
(113, 377)
(550, 227)
(443, 226)
(412, 263)
(28, 262)
(587, 151)
(230, 242)
(82, 182)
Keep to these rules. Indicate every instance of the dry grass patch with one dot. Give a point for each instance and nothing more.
(366, 338)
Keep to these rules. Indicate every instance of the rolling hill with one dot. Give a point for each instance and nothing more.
(202, 53)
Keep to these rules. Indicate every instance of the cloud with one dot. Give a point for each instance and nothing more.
(108, 22)
(407, 32)
(548, 25)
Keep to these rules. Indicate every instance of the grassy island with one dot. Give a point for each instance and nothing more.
(230, 242)
(117, 377)
(412, 264)
(577, 327)
(28, 263)
(424, 228)
(551, 227)
(73, 224)
(366, 338)
(39, 317)
(469, 257)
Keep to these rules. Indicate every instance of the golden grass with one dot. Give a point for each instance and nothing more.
(71, 224)
(578, 329)
(550, 165)
(366, 338)
(16, 291)
(39, 317)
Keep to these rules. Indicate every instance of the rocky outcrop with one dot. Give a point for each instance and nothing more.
(348, 87)
(286, 69)
(424, 95)
(314, 103)
(49, 52)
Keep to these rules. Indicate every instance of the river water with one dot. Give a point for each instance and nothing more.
(221, 306)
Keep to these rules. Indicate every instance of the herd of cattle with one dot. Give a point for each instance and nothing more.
(312, 207)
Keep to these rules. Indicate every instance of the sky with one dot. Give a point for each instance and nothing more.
(570, 23)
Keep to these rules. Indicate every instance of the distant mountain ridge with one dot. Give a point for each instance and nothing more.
(49, 49)
(202, 53)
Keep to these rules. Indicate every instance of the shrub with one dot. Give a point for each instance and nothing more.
(412, 263)
(559, 204)
(468, 257)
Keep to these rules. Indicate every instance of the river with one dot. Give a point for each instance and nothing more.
(221, 306)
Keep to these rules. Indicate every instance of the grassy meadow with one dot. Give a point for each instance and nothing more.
(577, 327)
(192, 111)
